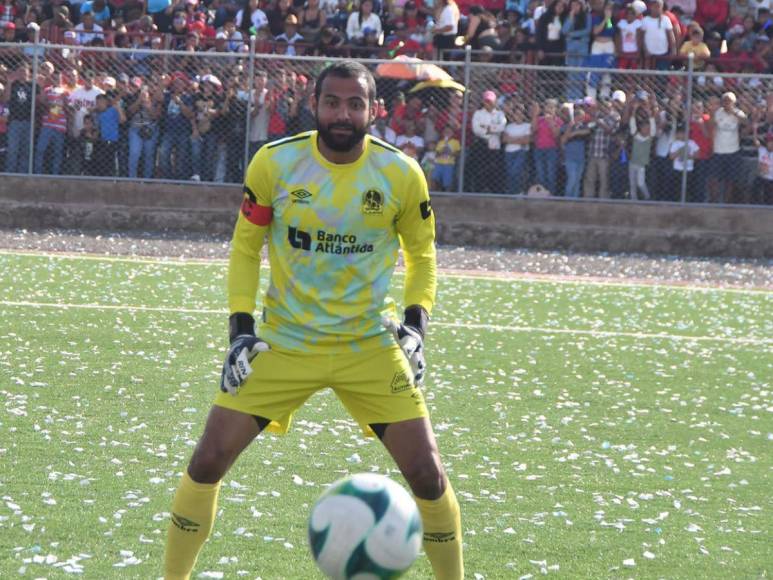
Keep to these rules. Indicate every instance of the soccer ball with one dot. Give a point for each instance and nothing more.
(365, 527)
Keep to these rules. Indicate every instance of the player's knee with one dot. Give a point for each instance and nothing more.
(208, 464)
(426, 478)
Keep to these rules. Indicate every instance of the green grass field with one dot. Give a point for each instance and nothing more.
(590, 430)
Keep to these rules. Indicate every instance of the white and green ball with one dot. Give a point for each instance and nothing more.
(365, 527)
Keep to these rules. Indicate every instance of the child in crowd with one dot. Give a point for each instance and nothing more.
(411, 137)
(764, 168)
(546, 128)
(446, 152)
(680, 151)
(574, 136)
(517, 138)
(109, 117)
(643, 129)
(428, 160)
(87, 141)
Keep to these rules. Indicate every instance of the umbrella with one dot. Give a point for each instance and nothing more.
(439, 84)
(411, 69)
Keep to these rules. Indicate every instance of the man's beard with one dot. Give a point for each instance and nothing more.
(341, 143)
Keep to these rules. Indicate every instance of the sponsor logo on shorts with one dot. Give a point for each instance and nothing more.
(401, 382)
(439, 537)
(184, 524)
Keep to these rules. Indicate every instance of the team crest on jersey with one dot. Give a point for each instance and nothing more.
(373, 202)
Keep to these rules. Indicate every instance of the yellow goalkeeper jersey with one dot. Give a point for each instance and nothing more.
(333, 234)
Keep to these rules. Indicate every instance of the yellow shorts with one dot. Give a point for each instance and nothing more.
(375, 386)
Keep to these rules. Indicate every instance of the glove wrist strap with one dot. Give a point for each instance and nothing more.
(417, 318)
(240, 323)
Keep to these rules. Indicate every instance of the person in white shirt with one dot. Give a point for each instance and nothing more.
(657, 37)
(627, 40)
(260, 113)
(410, 138)
(682, 153)
(360, 20)
(381, 130)
(516, 137)
(488, 124)
(257, 18)
(727, 122)
(446, 29)
(290, 36)
(87, 30)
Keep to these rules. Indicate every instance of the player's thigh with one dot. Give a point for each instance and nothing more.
(280, 382)
(376, 386)
(413, 446)
(226, 434)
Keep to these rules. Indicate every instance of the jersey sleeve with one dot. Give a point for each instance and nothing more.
(252, 225)
(416, 230)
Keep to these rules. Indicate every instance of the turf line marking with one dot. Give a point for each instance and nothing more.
(454, 273)
(492, 327)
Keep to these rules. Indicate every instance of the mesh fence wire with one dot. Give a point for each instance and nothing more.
(519, 129)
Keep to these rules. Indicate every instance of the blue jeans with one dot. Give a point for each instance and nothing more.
(207, 157)
(197, 144)
(574, 171)
(49, 136)
(443, 173)
(145, 147)
(181, 143)
(575, 81)
(18, 147)
(546, 164)
(515, 168)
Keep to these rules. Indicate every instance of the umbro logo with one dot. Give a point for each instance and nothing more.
(440, 537)
(300, 196)
(184, 524)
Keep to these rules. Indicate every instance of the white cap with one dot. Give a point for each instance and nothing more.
(619, 96)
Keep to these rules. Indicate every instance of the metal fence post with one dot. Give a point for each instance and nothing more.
(31, 156)
(465, 106)
(250, 98)
(687, 121)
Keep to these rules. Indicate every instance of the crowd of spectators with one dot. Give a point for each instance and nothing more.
(724, 35)
(137, 113)
(633, 145)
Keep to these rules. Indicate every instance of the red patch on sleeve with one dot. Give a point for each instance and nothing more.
(260, 215)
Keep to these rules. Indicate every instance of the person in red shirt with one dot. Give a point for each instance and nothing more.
(700, 132)
(712, 14)
(679, 28)
(735, 59)
(54, 125)
(452, 114)
(410, 111)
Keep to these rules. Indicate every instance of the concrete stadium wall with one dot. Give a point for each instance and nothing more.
(482, 221)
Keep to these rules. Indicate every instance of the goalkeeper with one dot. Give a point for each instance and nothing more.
(333, 205)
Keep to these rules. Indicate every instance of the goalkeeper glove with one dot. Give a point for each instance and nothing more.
(245, 346)
(410, 337)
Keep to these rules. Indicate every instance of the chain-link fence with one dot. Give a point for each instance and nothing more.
(148, 113)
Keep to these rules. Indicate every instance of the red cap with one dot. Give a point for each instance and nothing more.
(10, 26)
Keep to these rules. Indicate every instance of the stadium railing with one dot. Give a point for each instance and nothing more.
(218, 94)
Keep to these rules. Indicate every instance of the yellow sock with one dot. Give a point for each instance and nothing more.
(193, 515)
(442, 522)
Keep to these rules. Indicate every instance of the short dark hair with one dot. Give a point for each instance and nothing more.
(347, 69)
